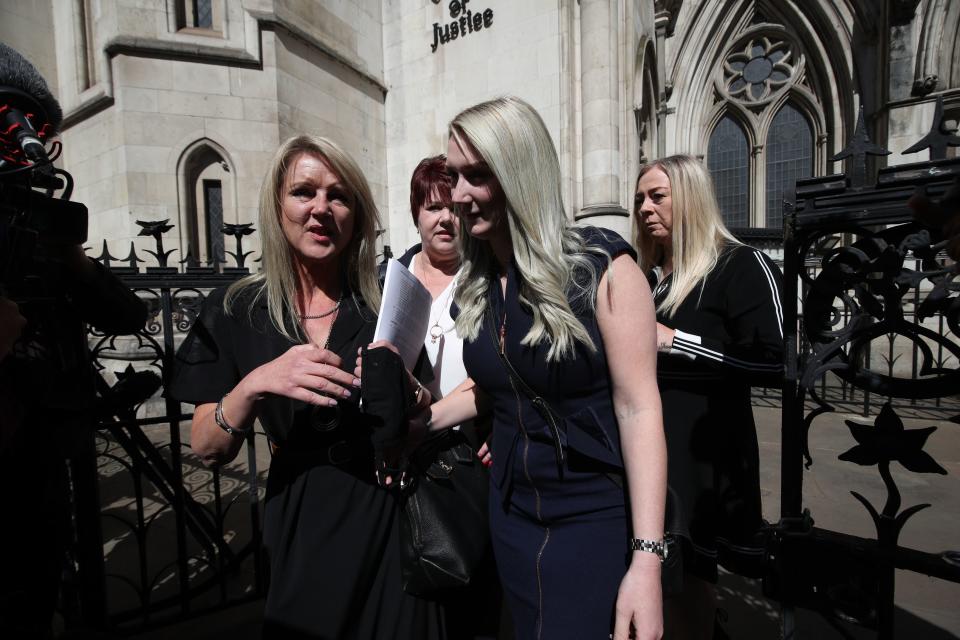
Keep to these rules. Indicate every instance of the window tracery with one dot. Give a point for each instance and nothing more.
(763, 137)
(759, 70)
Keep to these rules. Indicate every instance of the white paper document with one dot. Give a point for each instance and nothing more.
(404, 313)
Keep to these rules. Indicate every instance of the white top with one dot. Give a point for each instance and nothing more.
(444, 347)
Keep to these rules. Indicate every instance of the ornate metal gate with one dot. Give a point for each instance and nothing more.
(173, 538)
(869, 280)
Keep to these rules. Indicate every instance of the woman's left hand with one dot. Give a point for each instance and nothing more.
(664, 338)
(639, 601)
(422, 396)
(358, 369)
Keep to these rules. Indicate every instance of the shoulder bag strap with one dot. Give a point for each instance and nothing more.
(542, 406)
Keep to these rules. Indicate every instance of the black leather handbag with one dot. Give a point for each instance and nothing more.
(444, 528)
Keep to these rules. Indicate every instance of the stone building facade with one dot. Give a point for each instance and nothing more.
(174, 107)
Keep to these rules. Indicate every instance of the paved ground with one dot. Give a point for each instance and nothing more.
(927, 608)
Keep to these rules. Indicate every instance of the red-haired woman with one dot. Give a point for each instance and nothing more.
(435, 261)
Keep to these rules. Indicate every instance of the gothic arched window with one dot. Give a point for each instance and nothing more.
(789, 152)
(206, 202)
(771, 124)
(728, 159)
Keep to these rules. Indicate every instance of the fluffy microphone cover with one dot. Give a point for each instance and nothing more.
(17, 73)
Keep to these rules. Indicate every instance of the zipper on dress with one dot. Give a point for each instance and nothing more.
(526, 472)
(537, 509)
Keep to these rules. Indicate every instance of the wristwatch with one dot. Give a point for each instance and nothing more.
(656, 547)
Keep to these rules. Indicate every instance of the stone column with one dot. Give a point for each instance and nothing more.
(600, 115)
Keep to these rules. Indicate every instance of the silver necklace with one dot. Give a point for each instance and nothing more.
(326, 341)
(436, 331)
(330, 311)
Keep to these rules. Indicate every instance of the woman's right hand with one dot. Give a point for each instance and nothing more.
(484, 453)
(304, 372)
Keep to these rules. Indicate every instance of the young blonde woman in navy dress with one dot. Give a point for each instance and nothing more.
(570, 310)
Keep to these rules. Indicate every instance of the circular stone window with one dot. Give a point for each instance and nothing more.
(758, 70)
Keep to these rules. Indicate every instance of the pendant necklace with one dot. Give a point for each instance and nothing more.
(436, 331)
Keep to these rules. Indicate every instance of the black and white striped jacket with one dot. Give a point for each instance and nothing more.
(731, 324)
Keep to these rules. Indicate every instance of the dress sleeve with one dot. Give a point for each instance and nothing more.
(609, 241)
(754, 322)
(205, 369)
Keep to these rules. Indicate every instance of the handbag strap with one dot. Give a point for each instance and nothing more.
(539, 403)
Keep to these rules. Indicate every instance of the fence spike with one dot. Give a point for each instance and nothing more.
(938, 138)
(859, 147)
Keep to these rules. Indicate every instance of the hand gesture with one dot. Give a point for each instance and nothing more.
(307, 373)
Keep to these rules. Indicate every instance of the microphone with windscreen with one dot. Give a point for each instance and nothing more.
(29, 114)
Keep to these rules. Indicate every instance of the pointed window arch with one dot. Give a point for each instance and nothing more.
(728, 158)
(206, 202)
(789, 157)
(772, 132)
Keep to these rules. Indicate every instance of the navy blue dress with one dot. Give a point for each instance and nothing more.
(560, 531)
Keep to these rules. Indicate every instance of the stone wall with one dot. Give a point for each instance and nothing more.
(518, 53)
(147, 95)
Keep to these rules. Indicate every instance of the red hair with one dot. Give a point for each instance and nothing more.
(429, 176)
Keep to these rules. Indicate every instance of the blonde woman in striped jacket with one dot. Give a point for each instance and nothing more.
(719, 331)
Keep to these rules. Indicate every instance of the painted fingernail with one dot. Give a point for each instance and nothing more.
(356, 382)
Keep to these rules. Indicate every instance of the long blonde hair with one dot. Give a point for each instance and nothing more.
(698, 234)
(509, 135)
(277, 280)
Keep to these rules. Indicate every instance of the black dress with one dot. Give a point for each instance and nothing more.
(729, 337)
(559, 525)
(329, 530)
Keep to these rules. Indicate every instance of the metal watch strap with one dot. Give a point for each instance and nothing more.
(656, 547)
(222, 422)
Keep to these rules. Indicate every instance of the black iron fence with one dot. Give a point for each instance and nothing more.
(877, 282)
(177, 538)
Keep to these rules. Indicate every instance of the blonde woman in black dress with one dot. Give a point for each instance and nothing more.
(273, 347)
(719, 330)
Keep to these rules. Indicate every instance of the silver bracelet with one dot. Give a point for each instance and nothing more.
(222, 422)
(656, 547)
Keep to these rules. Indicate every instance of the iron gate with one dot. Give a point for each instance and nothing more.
(864, 276)
(173, 538)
